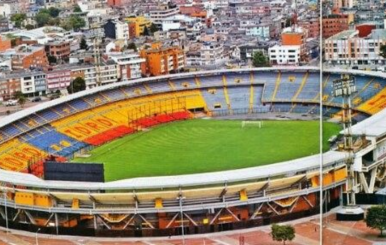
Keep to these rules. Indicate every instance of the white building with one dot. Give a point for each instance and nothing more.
(121, 31)
(33, 83)
(284, 55)
(162, 12)
(262, 30)
(8, 8)
(108, 73)
(176, 22)
(209, 54)
(128, 64)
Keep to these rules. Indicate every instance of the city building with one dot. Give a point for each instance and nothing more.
(284, 55)
(60, 49)
(58, 79)
(137, 25)
(349, 49)
(33, 83)
(207, 54)
(163, 60)
(4, 43)
(292, 50)
(162, 12)
(312, 25)
(9, 85)
(8, 8)
(28, 57)
(176, 22)
(129, 64)
(117, 30)
(334, 24)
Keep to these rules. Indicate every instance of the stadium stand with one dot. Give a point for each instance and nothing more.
(79, 104)
(114, 94)
(289, 86)
(309, 93)
(375, 103)
(48, 115)
(182, 84)
(48, 139)
(212, 81)
(215, 98)
(107, 113)
(16, 155)
(239, 96)
(270, 82)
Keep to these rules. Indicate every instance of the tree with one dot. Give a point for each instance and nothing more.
(132, 46)
(53, 21)
(29, 27)
(382, 50)
(259, 59)
(42, 18)
(52, 59)
(66, 25)
(288, 22)
(83, 44)
(78, 84)
(282, 233)
(77, 9)
(77, 22)
(146, 31)
(18, 19)
(376, 218)
(20, 98)
(54, 12)
(153, 28)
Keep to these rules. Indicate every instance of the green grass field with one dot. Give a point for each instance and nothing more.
(200, 145)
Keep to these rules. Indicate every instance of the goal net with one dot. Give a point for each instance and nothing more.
(245, 124)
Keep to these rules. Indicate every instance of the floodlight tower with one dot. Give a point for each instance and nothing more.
(344, 88)
(97, 42)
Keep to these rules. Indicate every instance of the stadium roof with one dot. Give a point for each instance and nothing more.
(204, 179)
(375, 126)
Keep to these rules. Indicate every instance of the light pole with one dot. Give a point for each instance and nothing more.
(182, 219)
(36, 237)
(6, 211)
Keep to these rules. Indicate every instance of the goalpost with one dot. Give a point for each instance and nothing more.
(252, 123)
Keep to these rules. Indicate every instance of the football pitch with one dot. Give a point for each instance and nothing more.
(207, 145)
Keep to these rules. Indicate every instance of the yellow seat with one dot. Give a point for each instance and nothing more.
(158, 203)
(243, 195)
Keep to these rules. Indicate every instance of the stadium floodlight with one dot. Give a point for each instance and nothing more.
(345, 88)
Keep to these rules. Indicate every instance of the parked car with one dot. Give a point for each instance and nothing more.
(10, 103)
(36, 99)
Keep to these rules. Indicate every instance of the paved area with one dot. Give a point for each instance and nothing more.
(307, 233)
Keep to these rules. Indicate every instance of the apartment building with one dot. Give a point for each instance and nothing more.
(117, 30)
(60, 49)
(129, 64)
(28, 56)
(9, 85)
(33, 83)
(162, 12)
(137, 25)
(350, 48)
(284, 55)
(163, 60)
(334, 24)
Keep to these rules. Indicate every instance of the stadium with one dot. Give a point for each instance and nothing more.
(141, 130)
